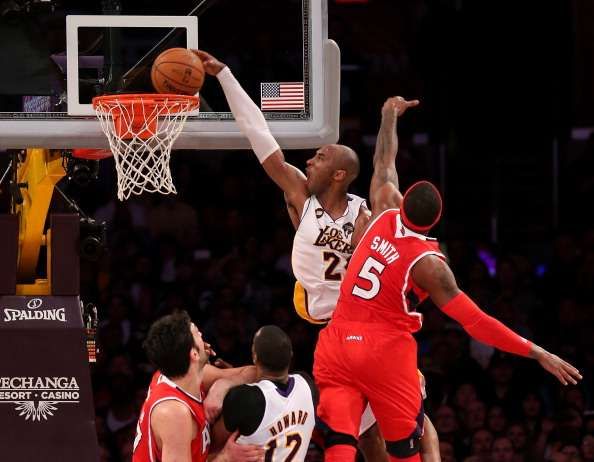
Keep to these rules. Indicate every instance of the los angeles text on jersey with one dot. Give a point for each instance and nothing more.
(289, 420)
(385, 248)
(334, 239)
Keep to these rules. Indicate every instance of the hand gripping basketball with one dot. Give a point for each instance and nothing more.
(212, 65)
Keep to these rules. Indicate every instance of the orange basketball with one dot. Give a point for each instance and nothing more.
(177, 70)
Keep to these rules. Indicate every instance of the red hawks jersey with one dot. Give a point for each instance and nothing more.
(377, 288)
(162, 389)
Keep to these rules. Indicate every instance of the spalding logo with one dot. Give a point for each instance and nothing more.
(34, 303)
(55, 314)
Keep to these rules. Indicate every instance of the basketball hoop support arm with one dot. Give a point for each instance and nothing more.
(42, 332)
(41, 171)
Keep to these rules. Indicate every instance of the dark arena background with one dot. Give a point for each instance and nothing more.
(505, 129)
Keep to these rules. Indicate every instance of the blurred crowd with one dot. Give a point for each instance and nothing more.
(221, 249)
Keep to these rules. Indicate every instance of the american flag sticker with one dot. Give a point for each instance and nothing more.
(282, 96)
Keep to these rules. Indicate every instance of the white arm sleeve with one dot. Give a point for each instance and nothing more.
(248, 116)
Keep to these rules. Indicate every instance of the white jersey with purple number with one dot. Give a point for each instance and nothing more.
(321, 250)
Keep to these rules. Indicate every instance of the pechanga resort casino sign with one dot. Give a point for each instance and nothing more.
(38, 398)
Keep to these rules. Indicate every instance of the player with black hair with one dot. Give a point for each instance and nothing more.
(278, 410)
(172, 425)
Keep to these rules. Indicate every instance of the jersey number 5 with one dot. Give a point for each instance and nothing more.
(293, 441)
(370, 271)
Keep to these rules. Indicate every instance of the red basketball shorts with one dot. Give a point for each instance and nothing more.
(355, 364)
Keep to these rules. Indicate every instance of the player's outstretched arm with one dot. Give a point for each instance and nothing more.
(434, 276)
(253, 125)
(384, 191)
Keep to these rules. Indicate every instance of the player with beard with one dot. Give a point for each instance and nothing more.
(172, 425)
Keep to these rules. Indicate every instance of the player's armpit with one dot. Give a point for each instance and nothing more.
(289, 178)
(435, 277)
(173, 427)
(387, 196)
(361, 224)
(294, 215)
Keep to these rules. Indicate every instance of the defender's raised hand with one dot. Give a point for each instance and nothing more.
(397, 105)
(212, 65)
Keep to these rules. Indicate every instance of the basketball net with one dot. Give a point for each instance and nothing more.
(141, 130)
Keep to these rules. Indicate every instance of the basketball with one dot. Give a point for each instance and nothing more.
(177, 70)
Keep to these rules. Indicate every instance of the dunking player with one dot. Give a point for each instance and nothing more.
(367, 353)
(328, 221)
(172, 424)
(278, 410)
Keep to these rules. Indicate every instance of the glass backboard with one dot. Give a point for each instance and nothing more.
(58, 55)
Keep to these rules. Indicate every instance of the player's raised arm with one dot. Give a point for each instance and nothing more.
(384, 191)
(433, 275)
(253, 125)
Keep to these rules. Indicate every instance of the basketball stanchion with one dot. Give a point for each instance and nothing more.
(141, 129)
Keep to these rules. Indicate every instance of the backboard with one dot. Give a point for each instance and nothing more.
(57, 55)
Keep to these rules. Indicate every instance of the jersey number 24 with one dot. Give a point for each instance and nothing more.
(333, 271)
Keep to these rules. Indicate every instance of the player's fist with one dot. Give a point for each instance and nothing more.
(397, 105)
(212, 65)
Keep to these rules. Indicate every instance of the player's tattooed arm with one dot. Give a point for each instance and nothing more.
(384, 191)
(434, 276)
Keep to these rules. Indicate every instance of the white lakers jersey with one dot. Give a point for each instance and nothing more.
(321, 250)
(288, 422)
